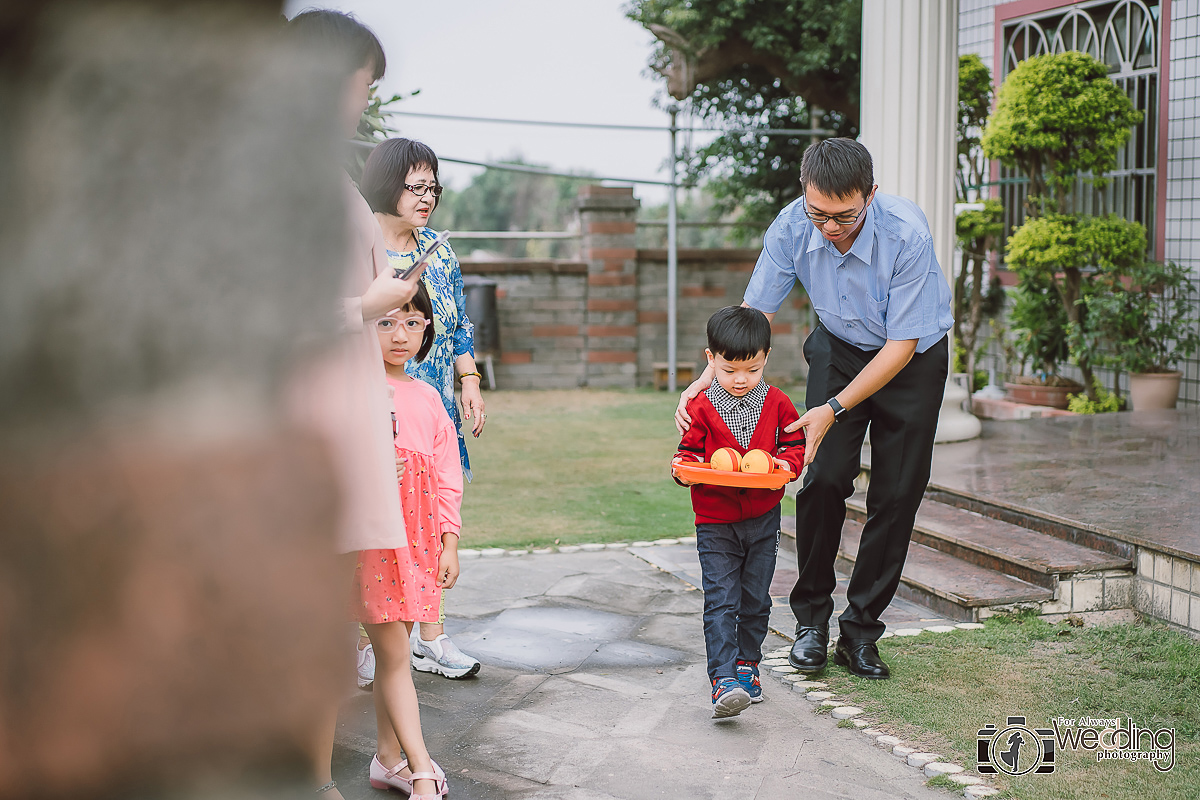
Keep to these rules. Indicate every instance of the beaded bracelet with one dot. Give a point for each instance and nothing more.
(468, 375)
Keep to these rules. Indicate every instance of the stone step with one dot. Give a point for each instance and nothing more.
(1039, 522)
(950, 586)
(1017, 551)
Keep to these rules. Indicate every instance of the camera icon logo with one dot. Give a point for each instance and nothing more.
(1015, 749)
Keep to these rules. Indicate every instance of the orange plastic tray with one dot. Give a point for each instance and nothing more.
(704, 473)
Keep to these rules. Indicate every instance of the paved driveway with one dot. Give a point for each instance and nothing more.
(594, 687)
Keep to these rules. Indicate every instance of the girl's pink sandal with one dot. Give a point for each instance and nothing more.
(439, 784)
(384, 778)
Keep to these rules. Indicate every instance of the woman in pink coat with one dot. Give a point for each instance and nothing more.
(346, 396)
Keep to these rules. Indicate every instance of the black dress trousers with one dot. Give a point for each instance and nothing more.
(902, 417)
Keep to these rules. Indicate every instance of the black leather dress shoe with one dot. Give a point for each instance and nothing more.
(861, 657)
(811, 650)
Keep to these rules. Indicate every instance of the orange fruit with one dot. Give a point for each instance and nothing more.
(758, 461)
(727, 460)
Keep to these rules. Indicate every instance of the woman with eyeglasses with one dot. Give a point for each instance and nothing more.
(400, 183)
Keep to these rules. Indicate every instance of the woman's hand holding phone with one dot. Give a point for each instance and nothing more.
(419, 263)
(394, 290)
(387, 292)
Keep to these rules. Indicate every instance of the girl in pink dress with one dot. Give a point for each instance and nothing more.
(400, 586)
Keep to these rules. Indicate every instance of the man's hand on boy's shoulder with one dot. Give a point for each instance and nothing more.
(687, 403)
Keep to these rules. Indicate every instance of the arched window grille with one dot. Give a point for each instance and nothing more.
(1125, 36)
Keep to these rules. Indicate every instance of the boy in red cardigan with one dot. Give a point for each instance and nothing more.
(737, 530)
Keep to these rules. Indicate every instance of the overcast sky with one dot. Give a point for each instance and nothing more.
(568, 60)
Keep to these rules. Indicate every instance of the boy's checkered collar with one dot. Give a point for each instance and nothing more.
(722, 400)
(740, 414)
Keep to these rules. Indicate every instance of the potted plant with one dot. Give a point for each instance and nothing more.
(1039, 338)
(1148, 329)
(1069, 259)
(1060, 120)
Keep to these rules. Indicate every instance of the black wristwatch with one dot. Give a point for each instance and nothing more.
(838, 410)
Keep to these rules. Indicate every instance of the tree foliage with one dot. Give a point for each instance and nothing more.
(974, 105)
(757, 64)
(750, 175)
(978, 233)
(1059, 118)
(810, 46)
(373, 127)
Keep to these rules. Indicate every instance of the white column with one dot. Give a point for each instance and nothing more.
(909, 103)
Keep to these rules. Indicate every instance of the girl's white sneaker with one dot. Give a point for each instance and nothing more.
(441, 656)
(366, 666)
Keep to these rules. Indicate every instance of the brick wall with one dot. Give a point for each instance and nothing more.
(608, 236)
(542, 308)
(708, 280)
(601, 321)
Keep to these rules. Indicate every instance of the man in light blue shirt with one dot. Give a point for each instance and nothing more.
(878, 358)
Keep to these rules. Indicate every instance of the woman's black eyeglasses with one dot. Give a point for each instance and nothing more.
(420, 189)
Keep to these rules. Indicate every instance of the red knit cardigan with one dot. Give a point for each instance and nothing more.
(709, 433)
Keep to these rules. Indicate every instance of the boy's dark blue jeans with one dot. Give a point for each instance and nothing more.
(737, 562)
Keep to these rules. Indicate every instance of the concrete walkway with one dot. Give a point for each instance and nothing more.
(594, 687)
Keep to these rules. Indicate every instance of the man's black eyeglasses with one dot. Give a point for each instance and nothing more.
(840, 219)
(420, 189)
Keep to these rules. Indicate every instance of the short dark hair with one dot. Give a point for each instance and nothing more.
(838, 168)
(349, 41)
(423, 304)
(387, 169)
(737, 333)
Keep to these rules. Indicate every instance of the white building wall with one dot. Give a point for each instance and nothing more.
(1182, 241)
(977, 30)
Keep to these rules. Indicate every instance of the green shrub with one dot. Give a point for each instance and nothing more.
(1104, 403)
(1068, 259)
(1058, 118)
(1147, 323)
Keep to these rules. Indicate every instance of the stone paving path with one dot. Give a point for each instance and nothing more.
(683, 562)
(593, 687)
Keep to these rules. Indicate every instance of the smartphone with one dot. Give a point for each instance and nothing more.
(442, 238)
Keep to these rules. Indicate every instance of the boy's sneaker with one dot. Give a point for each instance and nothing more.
(366, 666)
(729, 698)
(441, 656)
(747, 677)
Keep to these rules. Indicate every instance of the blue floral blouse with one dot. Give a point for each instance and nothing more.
(453, 330)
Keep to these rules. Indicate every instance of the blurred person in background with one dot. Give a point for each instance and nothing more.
(175, 239)
(360, 427)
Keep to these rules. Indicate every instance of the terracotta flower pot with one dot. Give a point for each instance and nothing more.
(1153, 390)
(1037, 395)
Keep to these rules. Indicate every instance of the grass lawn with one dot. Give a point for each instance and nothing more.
(592, 466)
(575, 466)
(567, 467)
(947, 686)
